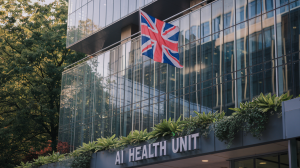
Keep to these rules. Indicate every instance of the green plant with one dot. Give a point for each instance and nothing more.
(82, 160)
(26, 165)
(167, 127)
(133, 138)
(91, 146)
(106, 143)
(201, 121)
(268, 103)
(51, 158)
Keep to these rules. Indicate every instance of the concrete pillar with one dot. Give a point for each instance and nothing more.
(292, 147)
(127, 31)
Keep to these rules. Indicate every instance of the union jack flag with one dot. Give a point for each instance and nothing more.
(159, 40)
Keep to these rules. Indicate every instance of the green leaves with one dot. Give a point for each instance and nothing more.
(167, 127)
(252, 117)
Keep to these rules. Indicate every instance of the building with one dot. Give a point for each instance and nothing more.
(231, 50)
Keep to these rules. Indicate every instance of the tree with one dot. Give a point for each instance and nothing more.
(33, 55)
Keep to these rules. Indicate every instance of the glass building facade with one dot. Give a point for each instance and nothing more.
(89, 16)
(231, 50)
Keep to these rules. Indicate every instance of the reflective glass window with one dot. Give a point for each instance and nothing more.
(228, 13)
(96, 17)
(78, 25)
(206, 59)
(255, 41)
(243, 88)
(206, 100)
(268, 36)
(285, 78)
(217, 44)
(242, 45)
(78, 4)
(205, 21)
(241, 10)
(254, 7)
(228, 50)
(89, 21)
(141, 3)
(72, 5)
(281, 3)
(256, 84)
(217, 11)
(83, 2)
(132, 6)
(117, 9)
(184, 31)
(195, 25)
(102, 13)
(124, 7)
(267, 5)
(283, 31)
(295, 25)
(147, 1)
(195, 63)
(109, 14)
(71, 28)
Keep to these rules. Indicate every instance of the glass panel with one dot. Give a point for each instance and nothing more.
(184, 106)
(270, 81)
(241, 11)
(78, 4)
(71, 28)
(206, 59)
(267, 162)
(117, 9)
(283, 31)
(280, 3)
(242, 45)
(228, 50)
(83, 20)
(244, 164)
(195, 25)
(195, 63)
(217, 54)
(102, 13)
(184, 72)
(146, 80)
(295, 26)
(255, 41)
(124, 8)
(217, 11)
(205, 21)
(89, 21)
(228, 13)
(267, 5)
(78, 25)
(147, 1)
(243, 88)
(256, 84)
(72, 4)
(206, 100)
(141, 3)
(254, 7)
(132, 5)
(269, 37)
(109, 14)
(285, 80)
(184, 31)
(96, 18)
(195, 103)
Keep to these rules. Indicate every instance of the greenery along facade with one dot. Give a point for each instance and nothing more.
(251, 117)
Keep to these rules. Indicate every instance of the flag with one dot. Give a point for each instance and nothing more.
(159, 40)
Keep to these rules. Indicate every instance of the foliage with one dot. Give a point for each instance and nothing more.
(133, 138)
(167, 127)
(106, 143)
(33, 55)
(42, 160)
(201, 121)
(82, 160)
(270, 103)
(252, 117)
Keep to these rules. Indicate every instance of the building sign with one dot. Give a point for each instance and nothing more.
(158, 149)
